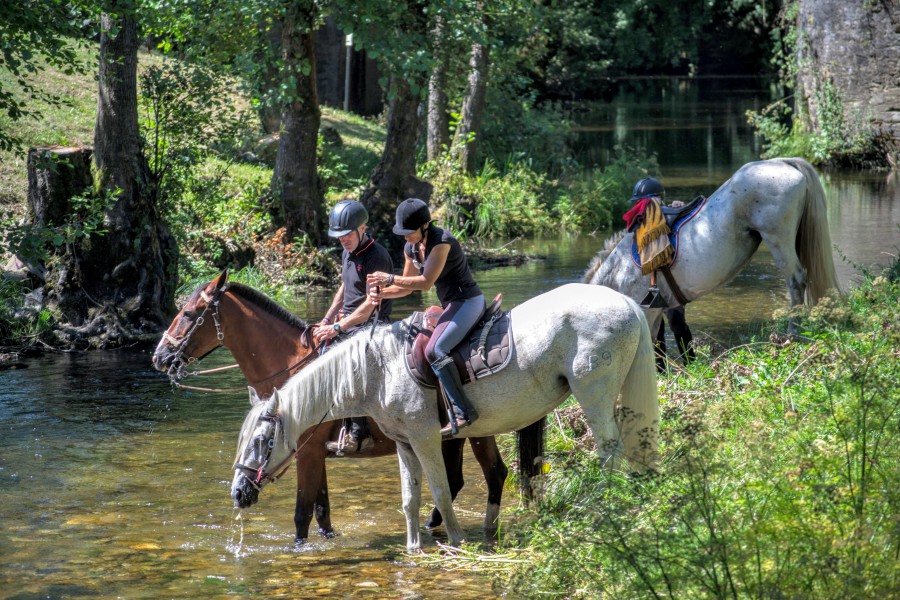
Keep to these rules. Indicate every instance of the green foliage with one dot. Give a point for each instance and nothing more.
(85, 218)
(490, 204)
(20, 325)
(35, 36)
(188, 114)
(780, 477)
(596, 200)
(838, 139)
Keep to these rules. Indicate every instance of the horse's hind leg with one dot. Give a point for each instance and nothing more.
(495, 472)
(785, 256)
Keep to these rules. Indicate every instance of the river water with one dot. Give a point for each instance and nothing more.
(112, 484)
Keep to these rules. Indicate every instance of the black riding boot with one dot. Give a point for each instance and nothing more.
(463, 413)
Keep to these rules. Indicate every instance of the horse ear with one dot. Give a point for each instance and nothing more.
(254, 397)
(218, 283)
(272, 405)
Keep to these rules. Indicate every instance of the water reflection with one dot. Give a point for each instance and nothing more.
(112, 484)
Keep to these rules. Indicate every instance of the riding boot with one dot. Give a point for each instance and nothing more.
(463, 413)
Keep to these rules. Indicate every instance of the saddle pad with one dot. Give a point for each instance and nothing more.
(673, 234)
(471, 361)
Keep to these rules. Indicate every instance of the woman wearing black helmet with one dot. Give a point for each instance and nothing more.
(433, 257)
(649, 187)
(349, 310)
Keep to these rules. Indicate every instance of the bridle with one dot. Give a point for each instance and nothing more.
(180, 361)
(258, 477)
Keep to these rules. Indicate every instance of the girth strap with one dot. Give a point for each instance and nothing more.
(673, 285)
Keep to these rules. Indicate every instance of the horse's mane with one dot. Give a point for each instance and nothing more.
(608, 246)
(308, 397)
(267, 304)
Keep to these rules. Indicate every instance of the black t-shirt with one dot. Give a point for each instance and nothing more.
(369, 257)
(455, 282)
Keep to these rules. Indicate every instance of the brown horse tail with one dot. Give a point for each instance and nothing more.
(530, 440)
(813, 237)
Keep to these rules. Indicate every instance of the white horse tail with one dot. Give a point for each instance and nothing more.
(813, 237)
(638, 412)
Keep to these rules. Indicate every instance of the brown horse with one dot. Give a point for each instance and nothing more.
(269, 345)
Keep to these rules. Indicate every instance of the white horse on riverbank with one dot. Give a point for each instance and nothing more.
(578, 339)
(778, 201)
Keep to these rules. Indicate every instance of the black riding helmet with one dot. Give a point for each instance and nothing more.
(648, 186)
(412, 214)
(346, 216)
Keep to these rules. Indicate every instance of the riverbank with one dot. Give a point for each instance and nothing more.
(780, 471)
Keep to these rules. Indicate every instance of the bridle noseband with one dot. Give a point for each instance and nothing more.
(179, 361)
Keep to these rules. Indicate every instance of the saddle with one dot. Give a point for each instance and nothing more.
(486, 349)
(675, 219)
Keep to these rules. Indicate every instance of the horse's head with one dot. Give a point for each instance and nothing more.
(195, 331)
(262, 451)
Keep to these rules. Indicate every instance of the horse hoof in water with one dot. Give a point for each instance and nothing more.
(435, 520)
(327, 533)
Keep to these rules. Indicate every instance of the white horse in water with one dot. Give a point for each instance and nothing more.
(578, 339)
(778, 201)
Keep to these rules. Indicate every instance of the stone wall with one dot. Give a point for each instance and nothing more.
(855, 44)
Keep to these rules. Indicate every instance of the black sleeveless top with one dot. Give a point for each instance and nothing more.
(455, 282)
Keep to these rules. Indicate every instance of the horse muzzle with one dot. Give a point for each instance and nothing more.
(244, 493)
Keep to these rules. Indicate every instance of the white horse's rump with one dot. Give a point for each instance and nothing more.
(585, 340)
(779, 201)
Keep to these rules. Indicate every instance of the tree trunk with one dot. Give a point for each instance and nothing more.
(55, 175)
(466, 143)
(438, 137)
(117, 287)
(394, 178)
(295, 180)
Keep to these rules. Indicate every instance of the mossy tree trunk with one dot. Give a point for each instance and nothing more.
(295, 181)
(116, 287)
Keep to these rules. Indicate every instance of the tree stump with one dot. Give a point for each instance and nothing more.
(55, 175)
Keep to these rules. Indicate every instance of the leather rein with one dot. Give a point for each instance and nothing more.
(177, 371)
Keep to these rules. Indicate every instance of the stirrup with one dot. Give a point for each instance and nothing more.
(654, 299)
(450, 431)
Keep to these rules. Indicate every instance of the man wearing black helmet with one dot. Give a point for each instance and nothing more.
(651, 188)
(349, 310)
(433, 257)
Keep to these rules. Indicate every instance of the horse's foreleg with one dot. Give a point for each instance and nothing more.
(323, 506)
(452, 450)
(411, 492)
(310, 479)
(495, 472)
(429, 456)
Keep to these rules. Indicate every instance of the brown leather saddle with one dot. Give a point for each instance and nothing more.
(486, 350)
